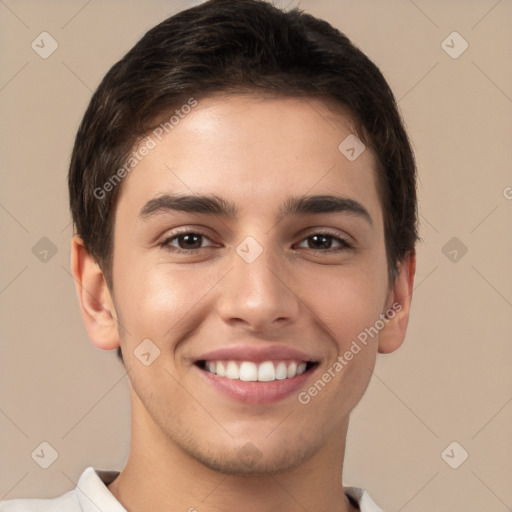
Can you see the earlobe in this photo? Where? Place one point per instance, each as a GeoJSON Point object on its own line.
{"type": "Point", "coordinates": [96, 303]}
{"type": "Point", "coordinates": [398, 308]}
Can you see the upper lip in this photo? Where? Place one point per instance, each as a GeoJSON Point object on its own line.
{"type": "Point", "coordinates": [257, 354]}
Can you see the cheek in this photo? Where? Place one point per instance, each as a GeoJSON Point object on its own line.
{"type": "Point", "coordinates": [159, 302]}
{"type": "Point", "coordinates": [346, 306]}
{"type": "Point", "coordinates": [345, 301]}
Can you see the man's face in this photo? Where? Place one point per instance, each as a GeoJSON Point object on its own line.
{"type": "Point", "coordinates": [251, 293]}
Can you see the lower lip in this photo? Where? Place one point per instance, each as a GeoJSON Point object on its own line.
{"type": "Point", "coordinates": [257, 392]}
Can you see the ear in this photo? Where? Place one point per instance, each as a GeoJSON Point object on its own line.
{"type": "Point", "coordinates": [398, 306]}
{"type": "Point", "coordinates": [94, 296]}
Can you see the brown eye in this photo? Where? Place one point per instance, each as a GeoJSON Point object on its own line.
{"type": "Point", "coordinates": [188, 241]}
{"type": "Point", "coordinates": [324, 242]}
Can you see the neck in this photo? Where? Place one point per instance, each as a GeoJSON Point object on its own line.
{"type": "Point", "coordinates": [160, 476]}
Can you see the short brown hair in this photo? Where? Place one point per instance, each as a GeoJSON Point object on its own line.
{"type": "Point", "coordinates": [237, 46]}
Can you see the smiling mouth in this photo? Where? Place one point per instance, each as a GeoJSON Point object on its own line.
{"type": "Point", "coordinates": [249, 371]}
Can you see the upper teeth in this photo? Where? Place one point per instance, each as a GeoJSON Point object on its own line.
{"type": "Point", "coordinates": [262, 372]}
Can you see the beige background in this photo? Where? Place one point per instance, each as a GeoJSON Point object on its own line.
{"type": "Point", "coordinates": [451, 381]}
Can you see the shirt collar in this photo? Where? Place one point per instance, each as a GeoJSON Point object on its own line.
{"type": "Point", "coordinates": [94, 495]}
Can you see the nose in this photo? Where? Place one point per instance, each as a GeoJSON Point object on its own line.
{"type": "Point", "coordinates": [259, 294]}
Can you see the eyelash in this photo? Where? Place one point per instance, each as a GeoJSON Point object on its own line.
{"type": "Point", "coordinates": [166, 244]}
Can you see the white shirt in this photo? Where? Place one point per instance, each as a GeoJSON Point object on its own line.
{"type": "Point", "coordinates": [92, 495]}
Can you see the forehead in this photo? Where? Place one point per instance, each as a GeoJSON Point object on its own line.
{"type": "Point", "coordinates": [254, 150]}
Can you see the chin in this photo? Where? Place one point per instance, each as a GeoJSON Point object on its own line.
{"type": "Point", "coordinates": [248, 460]}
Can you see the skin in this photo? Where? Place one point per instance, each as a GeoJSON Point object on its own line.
{"type": "Point", "coordinates": [186, 436]}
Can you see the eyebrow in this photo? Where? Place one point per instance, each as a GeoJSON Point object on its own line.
{"type": "Point", "coordinates": [212, 204]}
